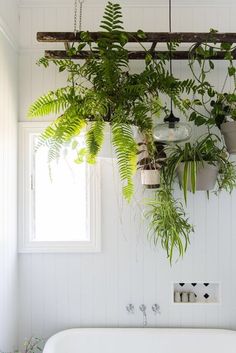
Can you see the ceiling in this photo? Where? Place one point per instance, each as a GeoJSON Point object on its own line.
{"type": "Point", "coordinates": [133, 3]}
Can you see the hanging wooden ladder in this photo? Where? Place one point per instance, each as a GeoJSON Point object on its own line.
{"type": "Point", "coordinates": [150, 37]}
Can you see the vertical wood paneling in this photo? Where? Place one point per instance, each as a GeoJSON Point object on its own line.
{"type": "Point", "coordinates": [93, 290]}
{"type": "Point", "coordinates": [8, 182]}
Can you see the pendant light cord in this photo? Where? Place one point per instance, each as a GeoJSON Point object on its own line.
{"type": "Point", "coordinates": [170, 48]}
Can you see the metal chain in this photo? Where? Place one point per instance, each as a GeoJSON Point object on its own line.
{"type": "Point", "coordinates": [76, 14]}
{"type": "Point", "coordinates": [80, 14]}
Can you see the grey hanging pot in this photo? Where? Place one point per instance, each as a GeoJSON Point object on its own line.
{"type": "Point", "coordinates": [206, 176]}
{"type": "Point", "coordinates": [228, 130]}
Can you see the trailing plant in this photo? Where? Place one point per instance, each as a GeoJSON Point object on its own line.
{"type": "Point", "coordinates": [193, 156]}
{"type": "Point", "coordinates": [212, 107]}
{"type": "Point", "coordinates": [168, 223]}
{"type": "Point", "coordinates": [224, 108]}
{"type": "Point", "coordinates": [33, 345]}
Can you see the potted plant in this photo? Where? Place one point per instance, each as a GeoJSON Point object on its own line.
{"type": "Point", "coordinates": [224, 114]}
{"type": "Point", "coordinates": [219, 108]}
{"type": "Point", "coordinates": [150, 164]}
{"type": "Point", "coordinates": [200, 165]}
{"type": "Point", "coordinates": [33, 345]}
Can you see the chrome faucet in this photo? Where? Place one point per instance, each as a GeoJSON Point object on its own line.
{"type": "Point", "coordinates": [143, 309]}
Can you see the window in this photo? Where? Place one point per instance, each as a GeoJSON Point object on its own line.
{"type": "Point", "coordinates": [59, 211]}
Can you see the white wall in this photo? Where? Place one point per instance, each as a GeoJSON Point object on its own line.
{"type": "Point", "coordinates": [60, 291]}
{"type": "Point", "coordinates": [8, 192]}
{"type": "Point", "coordinates": [9, 18]}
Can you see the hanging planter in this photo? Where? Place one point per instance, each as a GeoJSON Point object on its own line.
{"type": "Point", "coordinates": [150, 178]}
{"type": "Point", "coordinates": [206, 175]}
{"type": "Point", "coordinates": [151, 163]}
{"type": "Point", "coordinates": [107, 150]}
{"type": "Point", "coordinates": [200, 165]}
{"type": "Point", "coordinates": [224, 116]}
{"type": "Point", "coordinates": [228, 130]}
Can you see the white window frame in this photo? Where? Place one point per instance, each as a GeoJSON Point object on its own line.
{"type": "Point", "coordinates": [26, 244]}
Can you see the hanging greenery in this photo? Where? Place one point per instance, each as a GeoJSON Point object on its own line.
{"type": "Point", "coordinates": [103, 91]}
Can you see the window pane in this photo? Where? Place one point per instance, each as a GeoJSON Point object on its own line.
{"type": "Point", "coordinates": [60, 202]}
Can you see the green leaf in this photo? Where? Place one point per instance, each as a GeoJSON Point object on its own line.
{"type": "Point", "coordinates": [193, 176]}
{"type": "Point", "coordinates": [81, 156]}
{"type": "Point", "coordinates": [231, 70]}
{"type": "Point", "coordinates": [141, 34]}
{"type": "Point", "coordinates": [185, 180]}
{"type": "Point", "coordinates": [225, 46]}
{"type": "Point", "coordinates": [211, 64]}
{"type": "Point", "coordinates": [94, 140]}
{"type": "Point", "coordinates": [126, 151]}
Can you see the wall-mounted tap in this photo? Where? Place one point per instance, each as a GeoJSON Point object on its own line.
{"type": "Point", "coordinates": [156, 309]}
{"type": "Point", "coordinates": [143, 309]}
{"type": "Point", "coordinates": [130, 308]}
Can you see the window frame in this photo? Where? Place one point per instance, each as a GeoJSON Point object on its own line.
{"type": "Point", "coordinates": [26, 244]}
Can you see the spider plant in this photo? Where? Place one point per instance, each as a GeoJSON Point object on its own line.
{"type": "Point", "coordinates": [168, 223]}
{"type": "Point", "coordinates": [193, 157]}
{"type": "Point", "coordinates": [33, 345]}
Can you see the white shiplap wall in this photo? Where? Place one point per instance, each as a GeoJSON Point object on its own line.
{"type": "Point", "coordinates": [8, 192]}
{"type": "Point", "coordinates": [61, 291]}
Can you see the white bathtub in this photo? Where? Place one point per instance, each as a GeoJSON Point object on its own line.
{"type": "Point", "coordinates": [139, 340]}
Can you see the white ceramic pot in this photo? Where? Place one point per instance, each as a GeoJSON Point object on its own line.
{"type": "Point", "coordinates": [107, 150]}
{"type": "Point", "coordinates": [228, 130]}
{"type": "Point", "coordinates": [150, 178]}
{"type": "Point", "coordinates": [206, 176]}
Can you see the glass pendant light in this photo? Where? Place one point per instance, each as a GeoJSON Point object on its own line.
{"type": "Point", "coordinates": [171, 130]}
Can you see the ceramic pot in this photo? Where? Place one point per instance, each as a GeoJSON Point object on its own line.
{"type": "Point", "coordinates": [206, 176]}
{"type": "Point", "coordinates": [150, 178]}
{"type": "Point", "coordinates": [107, 150]}
{"type": "Point", "coordinates": [228, 130]}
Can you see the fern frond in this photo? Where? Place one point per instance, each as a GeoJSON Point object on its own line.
{"type": "Point", "coordinates": [126, 152]}
{"type": "Point", "coordinates": [60, 132]}
{"type": "Point", "coordinates": [50, 103]}
{"type": "Point", "coordinates": [94, 140]}
{"type": "Point", "coordinates": [112, 19]}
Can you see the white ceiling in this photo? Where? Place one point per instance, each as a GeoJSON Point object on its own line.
{"type": "Point", "coordinates": [133, 3]}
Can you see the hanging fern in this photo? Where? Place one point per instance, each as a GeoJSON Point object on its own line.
{"type": "Point", "coordinates": [126, 152]}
